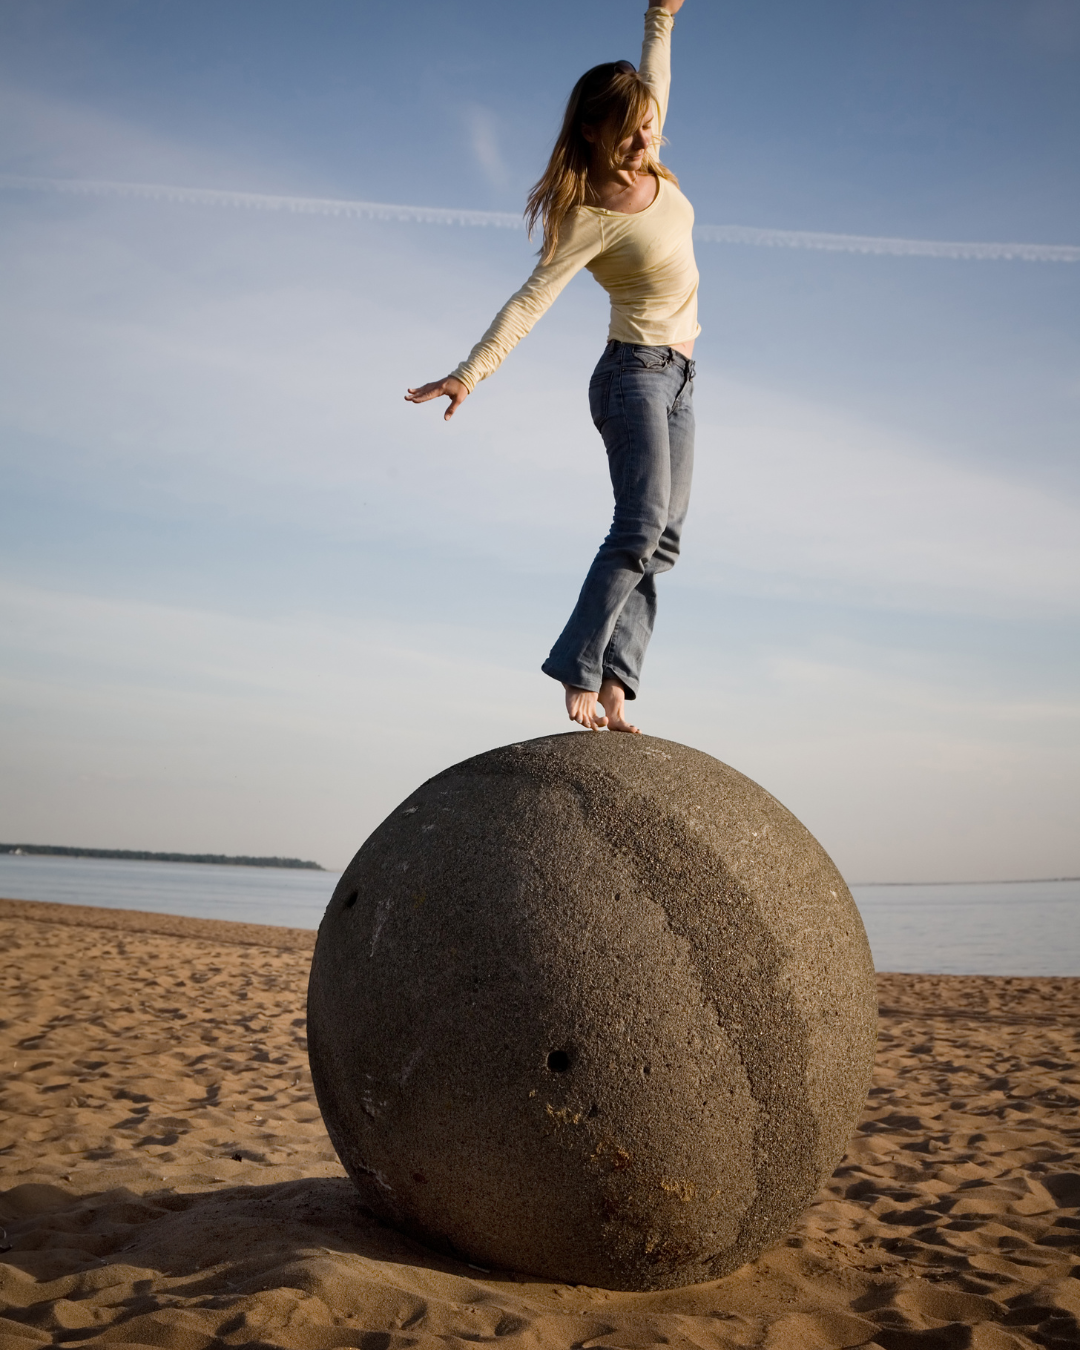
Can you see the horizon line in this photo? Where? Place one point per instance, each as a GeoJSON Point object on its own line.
{"type": "Point", "coordinates": [68, 850]}
{"type": "Point", "coordinates": [1000, 881]}
{"type": "Point", "coordinates": [439, 215]}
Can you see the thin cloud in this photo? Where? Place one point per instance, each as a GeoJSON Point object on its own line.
{"type": "Point", "coordinates": [439, 215]}
{"type": "Point", "coordinates": [484, 135]}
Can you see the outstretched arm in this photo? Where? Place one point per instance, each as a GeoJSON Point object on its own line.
{"type": "Point", "coordinates": [581, 242]}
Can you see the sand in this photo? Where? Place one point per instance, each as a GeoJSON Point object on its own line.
{"type": "Point", "coordinates": [167, 1180]}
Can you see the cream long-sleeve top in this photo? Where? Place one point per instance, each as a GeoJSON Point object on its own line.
{"type": "Point", "coordinates": [645, 261]}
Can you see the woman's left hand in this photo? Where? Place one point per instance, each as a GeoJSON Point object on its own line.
{"type": "Point", "coordinates": [672, 6]}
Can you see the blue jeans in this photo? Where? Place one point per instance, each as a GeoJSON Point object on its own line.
{"type": "Point", "coordinates": [641, 399]}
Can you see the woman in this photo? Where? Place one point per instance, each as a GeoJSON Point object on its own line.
{"type": "Point", "coordinates": [609, 205]}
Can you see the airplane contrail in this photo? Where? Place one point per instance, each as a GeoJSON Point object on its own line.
{"type": "Point", "coordinates": [900, 248]}
{"type": "Point", "coordinates": [507, 220]}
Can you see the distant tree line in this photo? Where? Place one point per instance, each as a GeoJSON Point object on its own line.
{"type": "Point", "coordinates": [138, 855]}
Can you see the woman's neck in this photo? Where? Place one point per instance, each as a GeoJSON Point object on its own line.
{"type": "Point", "coordinates": [625, 190]}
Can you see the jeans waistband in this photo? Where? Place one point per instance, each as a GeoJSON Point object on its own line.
{"type": "Point", "coordinates": [679, 359]}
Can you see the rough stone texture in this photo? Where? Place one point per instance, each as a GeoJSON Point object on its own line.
{"type": "Point", "coordinates": [594, 1007]}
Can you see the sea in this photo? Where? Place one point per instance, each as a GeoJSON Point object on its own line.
{"type": "Point", "coordinates": [957, 928]}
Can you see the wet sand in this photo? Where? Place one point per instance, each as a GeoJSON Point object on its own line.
{"type": "Point", "coordinates": [167, 1181]}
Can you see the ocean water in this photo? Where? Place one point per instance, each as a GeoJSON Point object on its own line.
{"type": "Point", "coordinates": [285, 896]}
{"type": "Point", "coordinates": [974, 928]}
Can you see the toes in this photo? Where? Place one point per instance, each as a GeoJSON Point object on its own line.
{"type": "Point", "coordinates": [586, 711]}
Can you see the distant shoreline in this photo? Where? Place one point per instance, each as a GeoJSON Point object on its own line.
{"type": "Point", "coordinates": [139, 855]}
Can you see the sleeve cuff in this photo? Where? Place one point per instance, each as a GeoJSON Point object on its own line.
{"type": "Point", "coordinates": [466, 380]}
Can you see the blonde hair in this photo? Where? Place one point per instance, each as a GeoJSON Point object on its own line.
{"type": "Point", "coordinates": [614, 98]}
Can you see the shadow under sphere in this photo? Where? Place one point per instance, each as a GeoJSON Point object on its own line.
{"type": "Point", "coordinates": [594, 1007]}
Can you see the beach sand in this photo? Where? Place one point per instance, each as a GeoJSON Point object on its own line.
{"type": "Point", "coordinates": [167, 1180]}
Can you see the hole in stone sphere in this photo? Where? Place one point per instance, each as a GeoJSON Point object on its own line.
{"type": "Point", "coordinates": [558, 1061]}
{"type": "Point", "coordinates": [350, 900]}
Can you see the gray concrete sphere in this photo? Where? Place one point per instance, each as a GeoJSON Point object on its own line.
{"type": "Point", "coordinates": [594, 1007]}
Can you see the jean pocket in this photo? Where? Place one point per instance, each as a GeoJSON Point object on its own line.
{"type": "Point", "coordinates": [599, 397]}
{"type": "Point", "coordinates": [651, 358]}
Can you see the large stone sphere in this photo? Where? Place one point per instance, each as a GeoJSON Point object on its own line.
{"type": "Point", "coordinates": [594, 1007]}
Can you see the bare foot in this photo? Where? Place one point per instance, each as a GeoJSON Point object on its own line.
{"type": "Point", "coordinates": [581, 707]}
{"type": "Point", "coordinates": [612, 696]}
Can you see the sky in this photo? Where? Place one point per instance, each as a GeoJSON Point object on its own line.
{"type": "Point", "coordinates": [250, 598]}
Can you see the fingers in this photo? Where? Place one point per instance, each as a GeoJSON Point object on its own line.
{"type": "Point", "coordinates": [456, 392]}
{"type": "Point", "coordinates": [450, 388]}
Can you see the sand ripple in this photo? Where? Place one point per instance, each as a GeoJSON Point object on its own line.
{"type": "Point", "coordinates": [169, 1182]}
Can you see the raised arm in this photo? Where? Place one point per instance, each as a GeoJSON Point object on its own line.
{"type": "Point", "coordinates": [655, 65]}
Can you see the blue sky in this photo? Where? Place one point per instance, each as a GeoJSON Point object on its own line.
{"type": "Point", "coordinates": [250, 598]}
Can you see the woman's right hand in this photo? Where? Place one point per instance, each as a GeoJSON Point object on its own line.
{"type": "Point", "coordinates": [451, 387]}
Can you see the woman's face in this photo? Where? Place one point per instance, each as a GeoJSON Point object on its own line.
{"type": "Point", "coordinates": [628, 154]}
